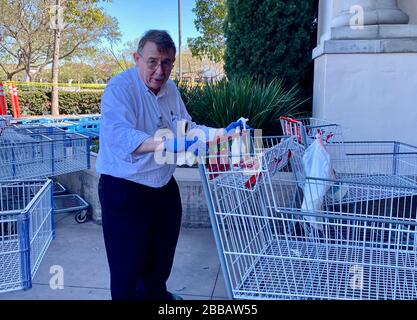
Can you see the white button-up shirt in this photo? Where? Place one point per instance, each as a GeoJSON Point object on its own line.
{"type": "Point", "coordinates": [130, 114]}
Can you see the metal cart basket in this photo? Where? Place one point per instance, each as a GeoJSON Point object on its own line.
{"type": "Point", "coordinates": [271, 248]}
{"type": "Point", "coordinates": [71, 203]}
{"type": "Point", "coordinates": [383, 163]}
{"type": "Point", "coordinates": [33, 152]}
{"type": "Point", "coordinates": [27, 153]}
{"type": "Point", "coordinates": [306, 129]}
{"type": "Point", "coordinates": [58, 188]}
{"type": "Point", "coordinates": [26, 230]}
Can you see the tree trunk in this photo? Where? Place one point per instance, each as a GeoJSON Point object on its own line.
{"type": "Point", "coordinates": [28, 77]}
{"type": "Point", "coordinates": [55, 63]}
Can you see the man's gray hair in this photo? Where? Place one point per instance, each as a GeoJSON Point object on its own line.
{"type": "Point", "coordinates": [161, 38]}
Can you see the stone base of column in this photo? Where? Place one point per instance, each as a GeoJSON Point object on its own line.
{"type": "Point", "coordinates": [373, 96]}
{"type": "Point", "coordinates": [394, 45]}
{"type": "Point", "coordinates": [384, 31]}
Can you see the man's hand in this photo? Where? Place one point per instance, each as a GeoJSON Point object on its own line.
{"type": "Point", "coordinates": [241, 123]}
{"type": "Point", "coordinates": [178, 145]}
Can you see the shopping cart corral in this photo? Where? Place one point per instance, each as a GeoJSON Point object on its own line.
{"type": "Point", "coordinates": [359, 243]}
{"type": "Point", "coordinates": [29, 156]}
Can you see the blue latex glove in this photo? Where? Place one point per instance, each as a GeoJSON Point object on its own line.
{"type": "Point", "coordinates": [176, 146]}
{"type": "Point", "coordinates": [239, 123]}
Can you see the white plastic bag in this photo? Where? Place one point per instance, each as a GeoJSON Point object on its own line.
{"type": "Point", "coordinates": [317, 164]}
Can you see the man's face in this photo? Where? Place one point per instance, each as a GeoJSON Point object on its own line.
{"type": "Point", "coordinates": [155, 67]}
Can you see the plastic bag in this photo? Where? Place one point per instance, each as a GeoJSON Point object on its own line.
{"type": "Point", "coordinates": [317, 164]}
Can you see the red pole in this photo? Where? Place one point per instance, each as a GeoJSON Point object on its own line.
{"type": "Point", "coordinates": [16, 101]}
{"type": "Point", "coordinates": [11, 94]}
{"type": "Point", "coordinates": [3, 104]}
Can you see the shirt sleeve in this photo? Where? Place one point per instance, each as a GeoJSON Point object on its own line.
{"type": "Point", "coordinates": [118, 121]}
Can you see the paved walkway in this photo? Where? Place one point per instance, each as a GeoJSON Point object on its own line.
{"type": "Point", "coordinates": [79, 250]}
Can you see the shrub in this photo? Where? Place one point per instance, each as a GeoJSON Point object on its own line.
{"type": "Point", "coordinates": [31, 103]}
{"type": "Point", "coordinates": [37, 103]}
{"type": "Point", "coordinates": [218, 104]}
{"type": "Point", "coordinates": [79, 102]}
{"type": "Point", "coordinates": [266, 39]}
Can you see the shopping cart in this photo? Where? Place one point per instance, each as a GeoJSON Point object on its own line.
{"type": "Point", "coordinates": [58, 188]}
{"type": "Point", "coordinates": [381, 163]}
{"type": "Point", "coordinates": [66, 203]}
{"type": "Point", "coordinates": [26, 230]}
{"type": "Point", "coordinates": [29, 152]}
{"type": "Point", "coordinates": [306, 129]}
{"type": "Point", "coordinates": [69, 203]}
{"type": "Point", "coordinates": [270, 248]}
{"type": "Point", "coordinates": [33, 152]}
{"type": "Point", "coordinates": [5, 121]}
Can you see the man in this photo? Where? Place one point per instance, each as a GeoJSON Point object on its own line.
{"type": "Point", "coordinates": [141, 205]}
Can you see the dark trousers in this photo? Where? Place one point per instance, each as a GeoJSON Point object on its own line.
{"type": "Point", "coordinates": [140, 227]}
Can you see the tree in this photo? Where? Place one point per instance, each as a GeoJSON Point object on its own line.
{"type": "Point", "coordinates": [102, 65]}
{"type": "Point", "coordinates": [123, 57]}
{"type": "Point", "coordinates": [26, 40]}
{"type": "Point", "coordinates": [210, 17]}
{"type": "Point", "coordinates": [22, 36]}
{"type": "Point", "coordinates": [194, 68]}
{"type": "Point", "coordinates": [79, 15]}
{"type": "Point", "coordinates": [270, 38]}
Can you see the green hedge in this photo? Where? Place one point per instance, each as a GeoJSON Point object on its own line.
{"type": "Point", "coordinates": [31, 103]}
{"type": "Point", "coordinates": [79, 102]}
{"type": "Point", "coordinates": [262, 102]}
{"type": "Point", "coordinates": [268, 39]}
{"type": "Point", "coordinates": [36, 103]}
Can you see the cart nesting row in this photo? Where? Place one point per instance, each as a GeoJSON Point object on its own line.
{"type": "Point", "coordinates": [86, 125]}
{"type": "Point", "coordinates": [26, 230]}
{"type": "Point", "coordinates": [29, 155]}
{"type": "Point", "coordinates": [32, 152]}
{"type": "Point", "coordinates": [360, 243]}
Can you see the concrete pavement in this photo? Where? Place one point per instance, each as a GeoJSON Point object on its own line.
{"type": "Point", "coordinates": [79, 250]}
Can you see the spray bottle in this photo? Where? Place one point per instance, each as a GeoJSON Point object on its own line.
{"type": "Point", "coordinates": [238, 148]}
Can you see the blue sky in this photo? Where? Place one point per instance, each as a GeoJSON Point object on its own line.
{"type": "Point", "coordinates": [137, 16]}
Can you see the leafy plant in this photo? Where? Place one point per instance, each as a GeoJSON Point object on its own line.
{"type": "Point", "coordinates": [269, 38]}
{"type": "Point", "coordinates": [210, 17]}
{"type": "Point", "coordinates": [31, 103]}
{"type": "Point", "coordinates": [218, 104]}
{"type": "Point", "coordinates": [37, 103]}
{"type": "Point", "coordinates": [266, 39]}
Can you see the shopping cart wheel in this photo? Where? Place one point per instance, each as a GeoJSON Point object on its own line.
{"type": "Point", "coordinates": [81, 216]}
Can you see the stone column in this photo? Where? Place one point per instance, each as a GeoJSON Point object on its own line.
{"type": "Point", "coordinates": [325, 21]}
{"type": "Point", "coordinates": [374, 12]}
{"type": "Point", "coordinates": [389, 13]}
{"type": "Point", "coordinates": [364, 77]}
{"type": "Point", "coordinates": [370, 19]}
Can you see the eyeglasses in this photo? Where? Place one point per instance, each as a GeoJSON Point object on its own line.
{"type": "Point", "coordinates": [153, 64]}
